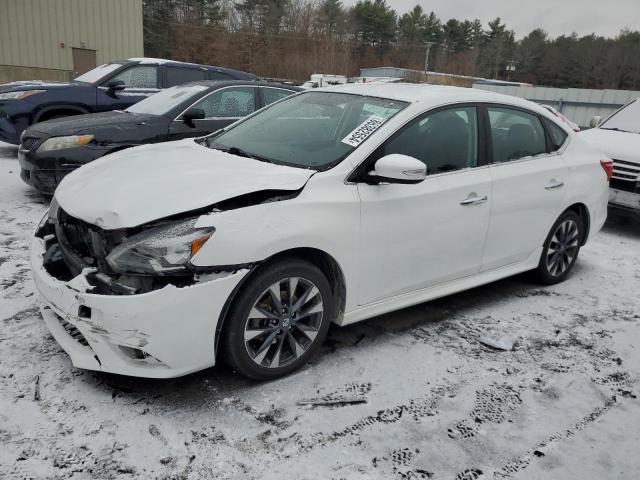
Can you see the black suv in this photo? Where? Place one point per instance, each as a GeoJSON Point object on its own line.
{"type": "Point", "coordinates": [112, 86]}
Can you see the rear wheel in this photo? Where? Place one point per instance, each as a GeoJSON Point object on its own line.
{"type": "Point", "coordinates": [279, 320]}
{"type": "Point", "coordinates": [53, 117]}
{"type": "Point", "coordinates": [561, 248]}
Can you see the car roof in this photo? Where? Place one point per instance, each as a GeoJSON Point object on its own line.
{"type": "Point", "coordinates": [228, 83]}
{"type": "Point", "coordinates": [430, 94]}
{"type": "Point", "coordinates": [164, 61]}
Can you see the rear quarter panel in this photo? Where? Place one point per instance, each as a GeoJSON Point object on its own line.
{"type": "Point", "coordinates": [587, 181]}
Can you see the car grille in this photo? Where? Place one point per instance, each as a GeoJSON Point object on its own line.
{"type": "Point", "coordinates": [625, 185]}
{"type": "Point", "coordinates": [29, 142]}
{"type": "Point", "coordinates": [626, 176]}
{"type": "Point", "coordinates": [74, 332]}
{"type": "Point", "coordinates": [624, 170]}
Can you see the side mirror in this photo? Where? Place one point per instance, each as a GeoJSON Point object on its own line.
{"type": "Point", "coordinates": [192, 114]}
{"type": "Point", "coordinates": [595, 121]}
{"type": "Point", "coordinates": [397, 168]}
{"type": "Point", "coordinates": [114, 86]}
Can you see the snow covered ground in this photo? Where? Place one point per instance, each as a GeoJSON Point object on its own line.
{"type": "Point", "coordinates": [561, 405]}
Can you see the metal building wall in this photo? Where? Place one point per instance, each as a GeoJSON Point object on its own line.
{"type": "Point", "coordinates": [577, 104]}
{"type": "Point", "coordinates": [36, 36]}
{"type": "Point", "coordinates": [392, 72]}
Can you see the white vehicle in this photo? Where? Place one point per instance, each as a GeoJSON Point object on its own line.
{"type": "Point", "coordinates": [321, 80]}
{"type": "Point", "coordinates": [619, 138]}
{"type": "Point", "coordinates": [335, 205]}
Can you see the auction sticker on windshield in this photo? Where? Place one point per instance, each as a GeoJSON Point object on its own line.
{"type": "Point", "coordinates": [362, 131]}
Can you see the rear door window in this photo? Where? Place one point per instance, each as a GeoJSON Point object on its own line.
{"type": "Point", "coordinates": [179, 75]}
{"type": "Point", "coordinates": [515, 134]}
{"type": "Point", "coordinates": [139, 76]}
{"type": "Point", "coordinates": [232, 102]}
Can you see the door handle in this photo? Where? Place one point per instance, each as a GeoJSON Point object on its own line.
{"type": "Point", "coordinates": [474, 199]}
{"type": "Point", "coordinates": [554, 184]}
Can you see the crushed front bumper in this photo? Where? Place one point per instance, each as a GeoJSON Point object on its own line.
{"type": "Point", "coordinates": [160, 334]}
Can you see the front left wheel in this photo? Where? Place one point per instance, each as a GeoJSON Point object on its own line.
{"type": "Point", "coordinates": [278, 320]}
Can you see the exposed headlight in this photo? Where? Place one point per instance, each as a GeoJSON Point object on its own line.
{"type": "Point", "coordinates": [19, 95]}
{"type": "Point", "coordinates": [60, 143]}
{"type": "Point", "coordinates": [160, 251]}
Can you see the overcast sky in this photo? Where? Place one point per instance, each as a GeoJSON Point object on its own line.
{"type": "Point", "coordinates": [557, 17]}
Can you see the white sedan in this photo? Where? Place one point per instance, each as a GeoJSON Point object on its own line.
{"type": "Point", "coordinates": [335, 205]}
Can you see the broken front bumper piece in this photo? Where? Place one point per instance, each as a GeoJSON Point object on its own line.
{"type": "Point", "coordinates": [160, 334]}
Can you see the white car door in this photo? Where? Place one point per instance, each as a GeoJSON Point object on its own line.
{"type": "Point", "coordinates": [528, 186]}
{"type": "Point", "coordinates": [419, 235]}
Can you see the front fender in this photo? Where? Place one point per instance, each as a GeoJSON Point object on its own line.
{"type": "Point", "coordinates": [253, 234]}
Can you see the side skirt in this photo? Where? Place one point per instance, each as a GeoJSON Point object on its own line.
{"type": "Point", "coordinates": [442, 290]}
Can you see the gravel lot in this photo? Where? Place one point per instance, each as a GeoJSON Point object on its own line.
{"type": "Point", "coordinates": [438, 405]}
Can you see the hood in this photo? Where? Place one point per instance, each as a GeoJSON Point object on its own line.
{"type": "Point", "coordinates": [31, 85]}
{"type": "Point", "coordinates": [108, 125]}
{"type": "Point", "coordinates": [147, 183]}
{"type": "Point", "coordinates": [616, 145]}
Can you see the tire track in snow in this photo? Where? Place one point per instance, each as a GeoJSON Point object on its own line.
{"type": "Point", "coordinates": [551, 442]}
{"type": "Point", "coordinates": [416, 408]}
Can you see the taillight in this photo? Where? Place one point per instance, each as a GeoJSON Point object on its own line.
{"type": "Point", "coordinates": [608, 168]}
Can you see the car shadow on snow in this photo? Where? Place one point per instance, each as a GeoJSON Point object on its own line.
{"type": "Point", "coordinates": [623, 223]}
{"type": "Point", "coordinates": [9, 154]}
{"type": "Point", "coordinates": [35, 197]}
{"type": "Point", "coordinates": [220, 382]}
{"type": "Point", "coordinates": [8, 151]}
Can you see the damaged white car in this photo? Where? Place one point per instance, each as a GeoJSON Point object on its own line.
{"type": "Point", "coordinates": [330, 206]}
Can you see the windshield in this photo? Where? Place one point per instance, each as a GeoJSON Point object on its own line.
{"type": "Point", "coordinates": [311, 130]}
{"type": "Point", "coordinates": [626, 119]}
{"type": "Point", "coordinates": [98, 73]}
{"type": "Point", "coordinates": [164, 101]}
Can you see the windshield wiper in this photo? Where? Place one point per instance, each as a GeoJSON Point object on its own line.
{"type": "Point", "coordinates": [615, 129]}
{"type": "Point", "coordinates": [241, 153]}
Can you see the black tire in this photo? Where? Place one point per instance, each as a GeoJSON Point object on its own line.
{"type": "Point", "coordinates": [54, 117]}
{"type": "Point", "coordinates": [561, 248]}
{"type": "Point", "coordinates": [290, 334]}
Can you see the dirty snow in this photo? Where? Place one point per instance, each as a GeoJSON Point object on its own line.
{"type": "Point", "coordinates": [439, 404]}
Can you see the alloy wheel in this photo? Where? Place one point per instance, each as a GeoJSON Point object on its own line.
{"type": "Point", "coordinates": [563, 247]}
{"type": "Point", "coordinates": [283, 322]}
